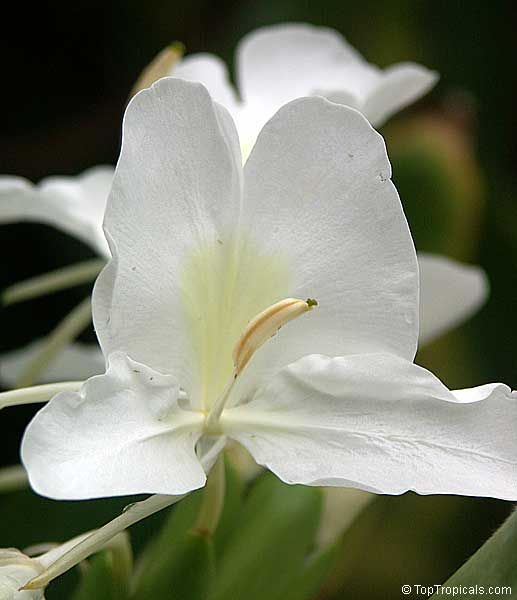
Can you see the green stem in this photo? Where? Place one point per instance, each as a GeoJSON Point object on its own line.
{"type": "Point", "coordinates": [69, 328]}
{"type": "Point", "coordinates": [98, 539]}
{"type": "Point", "coordinates": [13, 479]}
{"type": "Point", "coordinates": [53, 281]}
{"type": "Point", "coordinates": [213, 500]}
{"type": "Point", "coordinates": [122, 553]}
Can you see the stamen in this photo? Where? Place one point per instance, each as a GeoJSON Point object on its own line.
{"type": "Point", "coordinates": [265, 325]}
{"type": "Point", "coordinates": [259, 330]}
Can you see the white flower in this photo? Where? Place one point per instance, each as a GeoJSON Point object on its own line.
{"type": "Point", "coordinates": [280, 63]}
{"type": "Point", "coordinates": [17, 569]}
{"type": "Point", "coordinates": [275, 65]}
{"type": "Point", "coordinates": [200, 247]}
{"type": "Point", "coordinates": [74, 205]}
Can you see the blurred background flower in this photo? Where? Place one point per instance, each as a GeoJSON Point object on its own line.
{"type": "Point", "coordinates": [67, 72]}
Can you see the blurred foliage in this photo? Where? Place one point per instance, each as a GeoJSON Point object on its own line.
{"type": "Point", "coordinates": [67, 72]}
{"type": "Point", "coordinates": [495, 564]}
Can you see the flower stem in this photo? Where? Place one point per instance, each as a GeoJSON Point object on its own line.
{"type": "Point", "coordinates": [13, 478]}
{"type": "Point", "coordinates": [69, 328]}
{"type": "Point", "coordinates": [213, 500]}
{"type": "Point", "coordinates": [53, 281]}
{"type": "Point", "coordinates": [37, 393]}
{"type": "Point", "coordinates": [97, 540]}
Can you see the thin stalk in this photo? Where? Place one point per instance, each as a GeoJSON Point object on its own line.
{"type": "Point", "coordinates": [122, 564]}
{"type": "Point", "coordinates": [69, 328]}
{"type": "Point", "coordinates": [37, 393]}
{"type": "Point", "coordinates": [13, 479]}
{"type": "Point", "coordinates": [53, 281]}
{"type": "Point", "coordinates": [98, 540]}
{"type": "Point", "coordinates": [213, 500]}
{"type": "Point", "coordinates": [132, 514]}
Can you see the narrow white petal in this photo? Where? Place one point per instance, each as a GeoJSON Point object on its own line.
{"type": "Point", "coordinates": [450, 292]}
{"type": "Point", "coordinates": [383, 424]}
{"type": "Point", "coordinates": [122, 433]}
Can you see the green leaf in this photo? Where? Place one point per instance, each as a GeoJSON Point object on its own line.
{"type": "Point", "coordinates": [493, 565]}
{"type": "Point", "coordinates": [98, 581]}
{"type": "Point", "coordinates": [308, 583]}
{"type": "Point", "coordinates": [185, 571]}
{"type": "Point", "coordinates": [180, 562]}
{"type": "Point", "coordinates": [270, 546]}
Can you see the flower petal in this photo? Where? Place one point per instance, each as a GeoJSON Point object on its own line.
{"type": "Point", "coordinates": [177, 190]}
{"type": "Point", "coordinates": [122, 433]}
{"type": "Point", "coordinates": [212, 72]}
{"type": "Point", "coordinates": [450, 292]}
{"type": "Point", "coordinates": [75, 362]}
{"type": "Point", "coordinates": [380, 423]}
{"type": "Point", "coordinates": [72, 204]}
{"type": "Point", "coordinates": [318, 193]}
{"type": "Point", "coordinates": [280, 63]}
{"type": "Point", "coordinates": [13, 576]}
{"type": "Point", "coordinates": [397, 87]}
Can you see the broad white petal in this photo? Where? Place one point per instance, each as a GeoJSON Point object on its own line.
{"type": "Point", "coordinates": [122, 433]}
{"type": "Point", "coordinates": [383, 424]}
{"type": "Point", "coordinates": [73, 204]}
{"type": "Point", "coordinates": [74, 363]}
{"type": "Point", "coordinates": [174, 205]}
{"type": "Point", "coordinates": [212, 72]}
{"type": "Point", "coordinates": [397, 87]}
{"type": "Point", "coordinates": [280, 63]}
{"type": "Point", "coordinates": [319, 198]}
{"type": "Point", "coordinates": [450, 292]}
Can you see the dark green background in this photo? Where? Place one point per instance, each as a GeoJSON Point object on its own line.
{"type": "Point", "coordinates": [66, 71]}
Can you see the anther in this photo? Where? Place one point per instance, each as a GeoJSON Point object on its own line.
{"type": "Point", "coordinates": [265, 325]}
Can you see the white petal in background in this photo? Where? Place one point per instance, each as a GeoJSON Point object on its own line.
{"type": "Point", "coordinates": [122, 433]}
{"type": "Point", "coordinates": [212, 72]}
{"type": "Point", "coordinates": [381, 424]}
{"type": "Point", "coordinates": [280, 63]}
{"type": "Point", "coordinates": [450, 292]}
{"type": "Point", "coordinates": [73, 204]}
